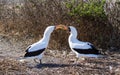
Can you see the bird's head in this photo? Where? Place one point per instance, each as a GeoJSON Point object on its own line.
{"type": "Point", "coordinates": [61, 26]}
{"type": "Point", "coordinates": [72, 30]}
{"type": "Point", "coordinates": [69, 29]}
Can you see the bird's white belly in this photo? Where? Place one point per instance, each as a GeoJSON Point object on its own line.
{"type": "Point", "coordinates": [40, 56]}
{"type": "Point", "coordinates": [87, 55]}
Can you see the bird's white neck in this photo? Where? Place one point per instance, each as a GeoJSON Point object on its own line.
{"type": "Point", "coordinates": [47, 34]}
{"type": "Point", "coordinates": [73, 34]}
{"type": "Point", "coordinates": [46, 37]}
{"type": "Point", "coordinates": [72, 37]}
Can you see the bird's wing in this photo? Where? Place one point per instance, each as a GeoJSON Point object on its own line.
{"type": "Point", "coordinates": [81, 45]}
{"type": "Point", "coordinates": [85, 48]}
{"type": "Point", "coordinates": [90, 44]}
{"type": "Point", "coordinates": [36, 46]}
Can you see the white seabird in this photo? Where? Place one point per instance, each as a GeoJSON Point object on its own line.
{"type": "Point", "coordinates": [80, 48]}
{"type": "Point", "coordinates": [37, 49]}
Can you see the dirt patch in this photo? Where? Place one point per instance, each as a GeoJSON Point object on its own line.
{"type": "Point", "coordinates": [9, 66]}
{"type": "Point", "coordinates": [55, 62]}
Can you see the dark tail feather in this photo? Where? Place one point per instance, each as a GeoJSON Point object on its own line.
{"type": "Point", "coordinates": [101, 54]}
{"type": "Point", "coordinates": [97, 51]}
{"type": "Point", "coordinates": [27, 54]}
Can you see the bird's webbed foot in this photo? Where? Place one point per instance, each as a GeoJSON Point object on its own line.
{"type": "Point", "coordinates": [40, 62]}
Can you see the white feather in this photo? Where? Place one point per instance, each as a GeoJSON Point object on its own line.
{"type": "Point", "coordinates": [80, 45]}
{"type": "Point", "coordinates": [37, 46]}
{"type": "Point", "coordinates": [43, 43]}
{"type": "Point", "coordinates": [74, 43]}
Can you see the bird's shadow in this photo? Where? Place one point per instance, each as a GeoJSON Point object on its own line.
{"type": "Point", "coordinates": [54, 65]}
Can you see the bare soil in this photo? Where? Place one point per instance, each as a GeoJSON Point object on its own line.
{"type": "Point", "coordinates": [55, 62]}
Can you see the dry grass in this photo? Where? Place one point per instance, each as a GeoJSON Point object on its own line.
{"type": "Point", "coordinates": [36, 15]}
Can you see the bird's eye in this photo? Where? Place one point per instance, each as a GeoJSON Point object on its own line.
{"type": "Point", "coordinates": [69, 29]}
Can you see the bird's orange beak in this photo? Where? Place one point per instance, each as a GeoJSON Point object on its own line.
{"type": "Point", "coordinates": [61, 26]}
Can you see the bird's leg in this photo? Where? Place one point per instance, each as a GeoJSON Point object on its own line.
{"type": "Point", "coordinates": [40, 61]}
{"type": "Point", "coordinates": [35, 60]}
{"type": "Point", "coordinates": [75, 62]}
{"type": "Point", "coordinates": [82, 59]}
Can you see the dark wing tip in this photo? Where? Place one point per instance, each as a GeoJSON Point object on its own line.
{"type": "Point", "coordinates": [34, 53]}
{"type": "Point", "coordinates": [28, 48]}
{"type": "Point", "coordinates": [27, 55]}
{"type": "Point", "coordinates": [98, 51]}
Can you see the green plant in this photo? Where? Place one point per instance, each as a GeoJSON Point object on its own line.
{"type": "Point", "coordinates": [92, 8]}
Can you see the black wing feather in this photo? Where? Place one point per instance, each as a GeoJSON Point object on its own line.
{"type": "Point", "coordinates": [34, 53]}
{"type": "Point", "coordinates": [87, 51]}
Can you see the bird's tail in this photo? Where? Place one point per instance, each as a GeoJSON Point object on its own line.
{"type": "Point", "coordinates": [102, 56]}
{"type": "Point", "coordinates": [22, 59]}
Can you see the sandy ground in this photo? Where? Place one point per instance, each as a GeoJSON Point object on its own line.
{"type": "Point", "coordinates": [55, 62]}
